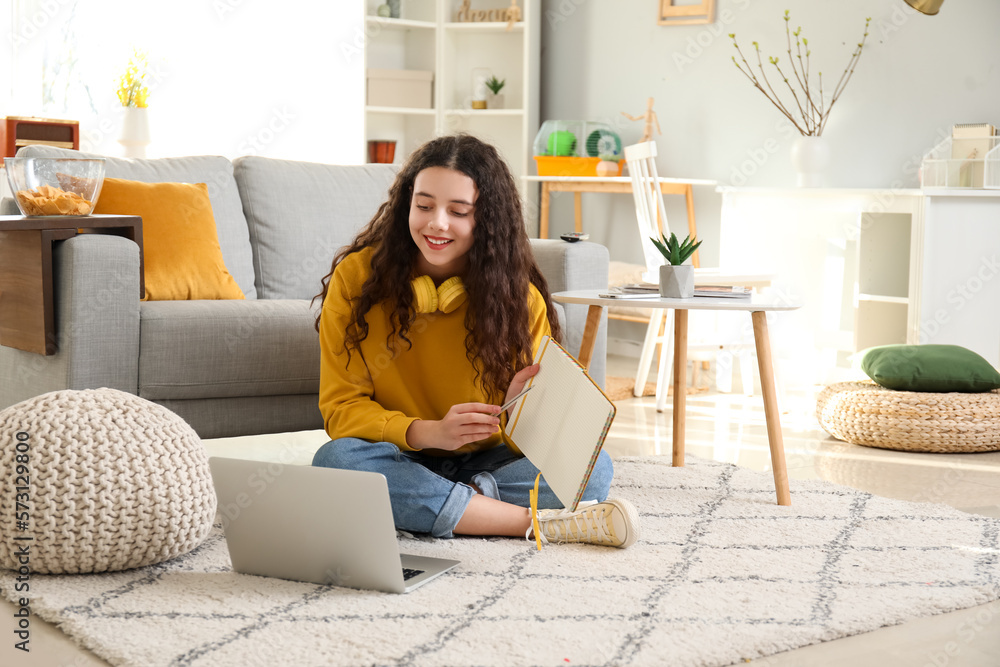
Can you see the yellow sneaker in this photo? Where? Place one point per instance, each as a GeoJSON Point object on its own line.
{"type": "Point", "coordinates": [612, 523]}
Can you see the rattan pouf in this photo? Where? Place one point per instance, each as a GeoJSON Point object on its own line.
{"type": "Point", "coordinates": [99, 480]}
{"type": "Point", "coordinates": [864, 413]}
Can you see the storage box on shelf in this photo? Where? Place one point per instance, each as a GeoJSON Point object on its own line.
{"type": "Point", "coordinates": [958, 163]}
{"type": "Point", "coordinates": [400, 88]}
{"type": "Point", "coordinates": [991, 171]}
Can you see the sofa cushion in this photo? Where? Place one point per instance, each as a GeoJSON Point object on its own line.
{"type": "Point", "coordinates": [182, 258]}
{"type": "Point", "coordinates": [221, 349]}
{"type": "Point", "coordinates": [214, 171]}
{"type": "Point", "coordinates": [323, 206]}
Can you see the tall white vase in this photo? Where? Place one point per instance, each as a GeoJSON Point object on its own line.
{"type": "Point", "coordinates": [810, 157]}
{"type": "Point", "coordinates": [135, 132]}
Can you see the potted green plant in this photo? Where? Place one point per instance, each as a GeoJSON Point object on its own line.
{"type": "Point", "coordinates": [495, 99]}
{"type": "Point", "coordinates": [676, 277]}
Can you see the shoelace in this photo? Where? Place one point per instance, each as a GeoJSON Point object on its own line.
{"type": "Point", "coordinates": [587, 525]}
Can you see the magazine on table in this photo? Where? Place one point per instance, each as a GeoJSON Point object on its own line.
{"type": "Point", "coordinates": [722, 291]}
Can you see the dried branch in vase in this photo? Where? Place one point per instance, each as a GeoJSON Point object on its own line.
{"type": "Point", "coordinates": [810, 108]}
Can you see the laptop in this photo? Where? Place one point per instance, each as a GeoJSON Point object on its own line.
{"type": "Point", "coordinates": [319, 525]}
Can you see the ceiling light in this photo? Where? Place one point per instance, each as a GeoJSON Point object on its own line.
{"type": "Point", "coordinates": [929, 7]}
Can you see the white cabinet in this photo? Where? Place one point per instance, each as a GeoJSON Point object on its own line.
{"type": "Point", "coordinates": [851, 257]}
{"type": "Point", "coordinates": [960, 275]}
{"type": "Point", "coordinates": [428, 37]}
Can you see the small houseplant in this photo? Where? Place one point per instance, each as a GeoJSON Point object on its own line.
{"type": "Point", "coordinates": [495, 99]}
{"type": "Point", "coordinates": [676, 277]}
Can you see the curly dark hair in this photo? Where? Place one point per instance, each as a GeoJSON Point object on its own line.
{"type": "Point", "coordinates": [500, 253]}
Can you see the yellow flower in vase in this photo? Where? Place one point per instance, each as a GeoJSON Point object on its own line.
{"type": "Point", "coordinates": [132, 90]}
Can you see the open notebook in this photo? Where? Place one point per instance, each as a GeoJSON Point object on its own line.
{"type": "Point", "coordinates": [560, 425]}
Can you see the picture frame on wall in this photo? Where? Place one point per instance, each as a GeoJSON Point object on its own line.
{"type": "Point", "coordinates": [672, 13]}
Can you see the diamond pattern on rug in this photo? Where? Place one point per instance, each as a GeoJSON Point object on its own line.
{"type": "Point", "coordinates": [720, 574]}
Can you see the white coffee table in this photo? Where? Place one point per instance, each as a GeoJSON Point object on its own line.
{"type": "Point", "coordinates": [758, 306]}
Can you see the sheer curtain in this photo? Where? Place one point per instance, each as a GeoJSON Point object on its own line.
{"type": "Point", "coordinates": [227, 77]}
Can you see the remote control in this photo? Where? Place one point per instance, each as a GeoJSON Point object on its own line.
{"type": "Point", "coordinates": [573, 237]}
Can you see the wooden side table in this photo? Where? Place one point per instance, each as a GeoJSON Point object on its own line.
{"type": "Point", "coordinates": [27, 309]}
{"type": "Point", "coordinates": [758, 306]}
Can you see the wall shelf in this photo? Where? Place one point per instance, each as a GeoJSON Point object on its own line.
{"type": "Point", "coordinates": [428, 38]}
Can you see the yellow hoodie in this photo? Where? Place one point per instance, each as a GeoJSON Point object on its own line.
{"type": "Point", "coordinates": [376, 396]}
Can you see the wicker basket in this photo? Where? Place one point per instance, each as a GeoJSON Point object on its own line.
{"type": "Point", "coordinates": [864, 413]}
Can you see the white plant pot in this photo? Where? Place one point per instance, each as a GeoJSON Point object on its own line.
{"type": "Point", "coordinates": [135, 132]}
{"type": "Point", "coordinates": [810, 157]}
{"type": "Point", "coordinates": [494, 101]}
{"type": "Point", "coordinates": [677, 282]}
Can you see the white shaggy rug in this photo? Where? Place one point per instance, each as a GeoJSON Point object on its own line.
{"type": "Point", "coordinates": [721, 574]}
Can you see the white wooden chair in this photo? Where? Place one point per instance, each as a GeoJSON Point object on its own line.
{"type": "Point", "coordinates": [712, 336]}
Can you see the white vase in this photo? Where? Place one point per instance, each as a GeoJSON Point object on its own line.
{"type": "Point", "coordinates": [677, 282]}
{"type": "Point", "coordinates": [810, 158]}
{"type": "Point", "coordinates": [135, 132]}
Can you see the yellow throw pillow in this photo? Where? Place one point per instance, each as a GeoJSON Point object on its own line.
{"type": "Point", "coordinates": [182, 256]}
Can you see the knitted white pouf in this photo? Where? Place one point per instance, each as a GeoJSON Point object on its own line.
{"type": "Point", "coordinates": [99, 480]}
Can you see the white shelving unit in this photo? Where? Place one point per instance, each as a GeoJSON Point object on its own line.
{"type": "Point", "coordinates": [427, 37]}
{"type": "Point", "coordinates": [852, 257]}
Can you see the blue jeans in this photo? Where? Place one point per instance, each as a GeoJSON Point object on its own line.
{"type": "Point", "coordinates": [429, 494]}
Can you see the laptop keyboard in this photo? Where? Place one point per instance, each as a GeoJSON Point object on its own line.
{"type": "Point", "coordinates": [409, 573]}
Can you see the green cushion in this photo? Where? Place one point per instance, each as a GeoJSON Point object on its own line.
{"type": "Point", "coordinates": [938, 368]}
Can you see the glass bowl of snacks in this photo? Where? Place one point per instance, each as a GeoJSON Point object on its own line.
{"type": "Point", "coordinates": [55, 186]}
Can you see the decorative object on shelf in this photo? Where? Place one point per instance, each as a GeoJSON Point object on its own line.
{"type": "Point", "coordinates": [480, 75]}
{"type": "Point", "coordinates": [513, 14]}
{"type": "Point", "coordinates": [494, 98]}
{"type": "Point", "coordinates": [810, 159]}
{"type": "Point", "coordinates": [18, 131]}
{"type": "Point", "coordinates": [384, 11]}
{"type": "Point", "coordinates": [381, 151]}
{"type": "Point", "coordinates": [393, 8]}
{"type": "Point", "coordinates": [810, 109]}
{"type": "Point", "coordinates": [650, 118]}
{"type": "Point", "coordinates": [133, 93]}
{"type": "Point", "coordinates": [672, 14]}
{"type": "Point", "coordinates": [929, 7]}
{"type": "Point", "coordinates": [676, 277]}
{"type": "Point", "coordinates": [466, 14]}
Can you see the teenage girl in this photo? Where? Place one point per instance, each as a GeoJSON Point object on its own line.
{"type": "Point", "coordinates": [430, 321]}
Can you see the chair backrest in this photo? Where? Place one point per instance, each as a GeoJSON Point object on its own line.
{"type": "Point", "coordinates": [641, 159]}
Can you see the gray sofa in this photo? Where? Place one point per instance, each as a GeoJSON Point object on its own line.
{"type": "Point", "coordinates": [234, 367]}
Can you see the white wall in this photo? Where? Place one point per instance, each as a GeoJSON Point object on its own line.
{"type": "Point", "coordinates": [231, 77]}
{"type": "Point", "coordinates": [918, 75]}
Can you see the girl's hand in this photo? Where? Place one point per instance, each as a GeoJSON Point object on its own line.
{"type": "Point", "coordinates": [520, 380]}
{"type": "Point", "coordinates": [464, 423]}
